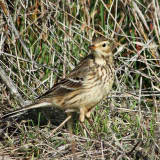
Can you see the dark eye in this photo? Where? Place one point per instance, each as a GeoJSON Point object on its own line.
{"type": "Point", "coordinates": [104, 45]}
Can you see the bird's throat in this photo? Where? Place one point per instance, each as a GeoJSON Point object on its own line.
{"type": "Point", "coordinates": [103, 60]}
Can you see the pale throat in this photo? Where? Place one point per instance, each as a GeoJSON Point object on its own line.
{"type": "Point", "coordinates": [104, 59]}
{"type": "Point", "coordinates": [100, 61]}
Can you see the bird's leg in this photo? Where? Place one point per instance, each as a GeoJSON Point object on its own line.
{"type": "Point", "coordinates": [83, 111]}
{"type": "Point", "coordinates": [88, 114]}
{"type": "Point", "coordinates": [85, 128]}
{"type": "Point", "coordinates": [88, 117]}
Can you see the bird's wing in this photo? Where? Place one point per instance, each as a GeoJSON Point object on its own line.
{"type": "Point", "coordinates": [73, 81]}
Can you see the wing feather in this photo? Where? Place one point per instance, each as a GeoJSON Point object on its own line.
{"type": "Point", "coordinates": [73, 81]}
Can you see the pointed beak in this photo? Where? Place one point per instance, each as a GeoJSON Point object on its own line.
{"type": "Point", "coordinates": [92, 47]}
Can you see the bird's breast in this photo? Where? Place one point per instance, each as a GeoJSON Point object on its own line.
{"type": "Point", "coordinates": [95, 87]}
{"type": "Point", "coordinates": [99, 81]}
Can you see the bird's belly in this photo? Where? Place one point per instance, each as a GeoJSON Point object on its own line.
{"type": "Point", "coordinates": [96, 93]}
{"type": "Point", "coordinates": [87, 98]}
{"type": "Point", "coordinates": [94, 96]}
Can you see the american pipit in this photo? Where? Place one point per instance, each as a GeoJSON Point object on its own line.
{"type": "Point", "coordinates": [84, 87]}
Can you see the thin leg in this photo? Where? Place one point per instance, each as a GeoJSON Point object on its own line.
{"type": "Point", "coordinates": [83, 111]}
{"type": "Point", "coordinates": [88, 113]}
{"type": "Point", "coordinates": [82, 116]}
{"type": "Point", "coordinates": [85, 128]}
{"type": "Point", "coordinates": [88, 117]}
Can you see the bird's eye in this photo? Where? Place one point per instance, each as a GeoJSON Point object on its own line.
{"type": "Point", "coordinates": [104, 45]}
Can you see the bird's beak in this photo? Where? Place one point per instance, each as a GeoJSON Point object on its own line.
{"type": "Point", "coordinates": [92, 47]}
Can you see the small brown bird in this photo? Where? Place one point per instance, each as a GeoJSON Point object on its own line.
{"type": "Point", "coordinates": [84, 87]}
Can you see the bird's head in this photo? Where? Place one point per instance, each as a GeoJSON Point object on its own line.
{"type": "Point", "coordinates": [102, 47]}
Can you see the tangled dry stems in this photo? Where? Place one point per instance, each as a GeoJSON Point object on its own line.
{"type": "Point", "coordinates": [41, 41]}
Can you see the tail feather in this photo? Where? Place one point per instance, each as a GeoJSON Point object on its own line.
{"type": "Point", "coordinates": [25, 109]}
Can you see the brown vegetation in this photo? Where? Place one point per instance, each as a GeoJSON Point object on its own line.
{"type": "Point", "coordinates": [41, 41]}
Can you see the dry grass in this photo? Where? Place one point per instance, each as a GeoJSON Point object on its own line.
{"type": "Point", "coordinates": [41, 41]}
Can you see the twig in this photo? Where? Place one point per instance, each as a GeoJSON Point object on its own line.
{"type": "Point", "coordinates": [8, 82]}
{"type": "Point", "coordinates": [11, 24]}
{"type": "Point", "coordinates": [130, 152]}
{"type": "Point", "coordinates": [61, 125]}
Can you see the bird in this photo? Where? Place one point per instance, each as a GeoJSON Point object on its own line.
{"type": "Point", "coordinates": [84, 87]}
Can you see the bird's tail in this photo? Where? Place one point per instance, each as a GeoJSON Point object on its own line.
{"type": "Point", "coordinates": [25, 109]}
